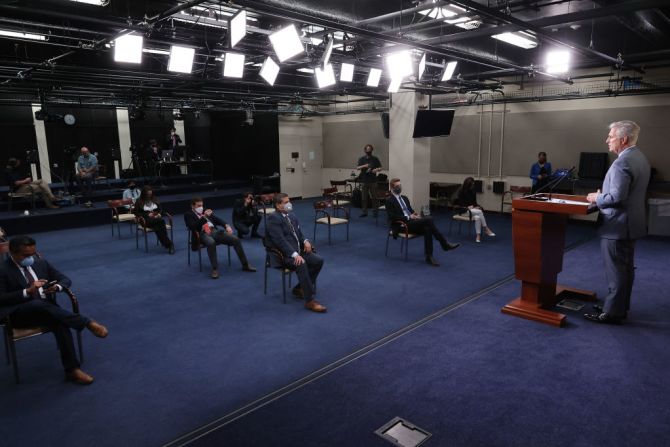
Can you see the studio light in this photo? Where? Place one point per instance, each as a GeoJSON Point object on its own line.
{"type": "Point", "coordinates": [449, 71]}
{"type": "Point", "coordinates": [325, 58]}
{"type": "Point", "coordinates": [374, 77]}
{"type": "Point", "coordinates": [325, 77]}
{"type": "Point", "coordinates": [399, 64]}
{"type": "Point", "coordinates": [155, 51]}
{"type": "Point", "coordinates": [347, 72]}
{"type": "Point", "coordinates": [93, 2]}
{"type": "Point", "coordinates": [233, 65]}
{"type": "Point", "coordinates": [394, 86]}
{"type": "Point", "coordinates": [128, 48]}
{"type": "Point", "coordinates": [286, 43]}
{"type": "Point", "coordinates": [518, 38]}
{"type": "Point", "coordinates": [557, 62]}
{"type": "Point", "coordinates": [269, 70]}
{"type": "Point", "coordinates": [181, 59]}
{"type": "Point", "coordinates": [237, 27]}
{"type": "Point", "coordinates": [9, 33]}
{"type": "Point", "coordinates": [422, 66]}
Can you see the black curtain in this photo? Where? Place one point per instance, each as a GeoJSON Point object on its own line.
{"type": "Point", "coordinates": [18, 134]}
{"type": "Point", "coordinates": [240, 151]}
{"type": "Point", "coordinates": [153, 125]}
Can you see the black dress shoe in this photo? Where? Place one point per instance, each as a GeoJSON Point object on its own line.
{"type": "Point", "coordinates": [431, 261]}
{"type": "Point", "coordinates": [598, 308]}
{"type": "Point", "coordinates": [450, 246]}
{"type": "Point", "coordinates": [603, 318]}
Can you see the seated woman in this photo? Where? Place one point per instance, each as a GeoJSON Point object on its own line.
{"type": "Point", "coordinates": [148, 208]}
{"type": "Point", "coordinates": [466, 198]}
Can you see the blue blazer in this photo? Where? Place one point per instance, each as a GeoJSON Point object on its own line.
{"type": "Point", "coordinates": [535, 170]}
{"type": "Point", "coordinates": [622, 202]}
{"type": "Point", "coordinates": [12, 283]}
{"type": "Point", "coordinates": [278, 234]}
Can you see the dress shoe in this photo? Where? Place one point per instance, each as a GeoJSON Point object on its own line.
{"type": "Point", "coordinates": [214, 274]}
{"type": "Point", "coordinates": [603, 318]}
{"type": "Point", "coordinates": [79, 377]}
{"type": "Point", "coordinates": [491, 234]}
{"type": "Point", "coordinates": [297, 292]}
{"type": "Point", "coordinates": [314, 306]}
{"type": "Point", "coordinates": [248, 268]}
{"type": "Point", "coordinates": [97, 329]}
{"type": "Point", "coordinates": [431, 261]}
{"type": "Point", "coordinates": [598, 308]}
{"type": "Point", "coordinates": [450, 246]}
{"type": "Point", "coordinates": [171, 249]}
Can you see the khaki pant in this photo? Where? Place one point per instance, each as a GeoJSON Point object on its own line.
{"type": "Point", "coordinates": [39, 187]}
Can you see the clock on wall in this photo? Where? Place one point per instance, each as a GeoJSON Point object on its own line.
{"type": "Point", "coordinates": [69, 119]}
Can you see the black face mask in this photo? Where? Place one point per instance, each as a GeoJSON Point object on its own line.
{"type": "Point", "coordinates": [397, 189]}
{"type": "Point", "coordinates": [368, 153]}
{"type": "Point", "coordinates": [131, 186]}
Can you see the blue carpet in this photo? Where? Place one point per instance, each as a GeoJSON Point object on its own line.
{"type": "Point", "coordinates": [184, 350]}
{"type": "Point", "coordinates": [477, 377]}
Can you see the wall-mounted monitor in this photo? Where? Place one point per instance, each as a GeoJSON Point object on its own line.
{"type": "Point", "coordinates": [433, 123]}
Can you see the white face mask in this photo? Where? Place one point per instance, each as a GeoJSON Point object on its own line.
{"type": "Point", "coordinates": [288, 207]}
{"type": "Point", "coordinates": [199, 210]}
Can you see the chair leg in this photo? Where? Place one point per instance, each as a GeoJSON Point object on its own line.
{"type": "Point", "coordinates": [265, 278]}
{"type": "Point", "coordinates": [137, 239]}
{"type": "Point", "coordinates": [80, 346]}
{"type": "Point", "coordinates": [12, 354]}
{"type": "Point", "coordinates": [406, 249]}
{"type": "Point", "coordinates": [200, 259]}
{"type": "Point", "coordinates": [6, 340]}
{"type": "Point", "coordinates": [314, 235]}
{"type": "Point", "coordinates": [146, 242]}
{"type": "Point", "coordinates": [229, 262]}
{"type": "Point", "coordinates": [329, 241]}
{"type": "Point", "coordinates": [386, 253]}
{"type": "Point", "coordinates": [347, 230]}
{"type": "Point", "coordinates": [188, 251]}
{"type": "Point", "coordinates": [283, 284]}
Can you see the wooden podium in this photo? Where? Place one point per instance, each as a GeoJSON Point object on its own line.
{"type": "Point", "coordinates": [538, 233]}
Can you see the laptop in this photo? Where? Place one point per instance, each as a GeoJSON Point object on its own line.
{"type": "Point", "coordinates": [167, 155]}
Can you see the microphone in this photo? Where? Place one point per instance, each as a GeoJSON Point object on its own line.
{"type": "Point", "coordinates": [551, 185]}
{"type": "Point", "coordinates": [558, 180]}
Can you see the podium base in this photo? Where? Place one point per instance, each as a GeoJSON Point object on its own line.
{"type": "Point", "coordinates": [533, 310]}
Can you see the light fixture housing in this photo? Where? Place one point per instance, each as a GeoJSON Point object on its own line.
{"type": "Point", "coordinates": [181, 59]}
{"type": "Point", "coordinates": [422, 66]}
{"type": "Point", "coordinates": [128, 49]}
{"type": "Point", "coordinates": [269, 70]}
{"type": "Point", "coordinates": [325, 58]}
{"type": "Point", "coordinates": [346, 72]}
{"type": "Point", "coordinates": [518, 38]}
{"type": "Point", "coordinates": [233, 65]}
{"type": "Point", "coordinates": [374, 77]}
{"type": "Point", "coordinates": [286, 43]}
{"type": "Point", "coordinates": [93, 2]}
{"type": "Point", "coordinates": [21, 35]}
{"type": "Point", "coordinates": [557, 62]}
{"type": "Point", "coordinates": [326, 77]}
{"type": "Point", "coordinates": [449, 70]}
{"type": "Point", "coordinates": [394, 86]}
{"type": "Point", "coordinates": [399, 64]}
{"type": "Point", "coordinates": [237, 27]}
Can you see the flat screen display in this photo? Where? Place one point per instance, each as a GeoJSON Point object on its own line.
{"type": "Point", "coordinates": [433, 123]}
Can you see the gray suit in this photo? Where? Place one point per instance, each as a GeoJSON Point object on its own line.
{"type": "Point", "coordinates": [623, 220]}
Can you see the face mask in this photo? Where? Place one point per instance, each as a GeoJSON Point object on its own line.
{"type": "Point", "coordinates": [288, 207]}
{"type": "Point", "coordinates": [131, 186]}
{"type": "Point", "coordinates": [27, 262]}
{"type": "Point", "coordinates": [368, 152]}
{"type": "Point", "coordinates": [397, 189]}
{"type": "Point", "coordinates": [199, 210]}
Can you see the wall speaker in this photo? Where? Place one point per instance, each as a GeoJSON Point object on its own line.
{"type": "Point", "coordinates": [385, 123]}
{"type": "Point", "coordinates": [115, 153]}
{"type": "Point", "coordinates": [498, 187]}
{"type": "Point", "coordinates": [479, 186]}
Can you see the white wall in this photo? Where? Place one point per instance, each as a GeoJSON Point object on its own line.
{"type": "Point", "coordinates": [304, 136]}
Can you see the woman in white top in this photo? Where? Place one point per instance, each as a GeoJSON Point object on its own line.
{"type": "Point", "coordinates": [148, 208]}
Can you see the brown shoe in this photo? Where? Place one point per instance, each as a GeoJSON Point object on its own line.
{"type": "Point", "coordinates": [314, 306]}
{"type": "Point", "coordinates": [97, 329]}
{"type": "Point", "coordinates": [79, 377]}
{"type": "Point", "coordinates": [248, 268]}
{"type": "Point", "coordinates": [214, 274]}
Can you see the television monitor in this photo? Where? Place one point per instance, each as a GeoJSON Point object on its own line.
{"type": "Point", "coordinates": [433, 123]}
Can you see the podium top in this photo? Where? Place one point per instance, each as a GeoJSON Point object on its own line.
{"type": "Point", "coordinates": [554, 203]}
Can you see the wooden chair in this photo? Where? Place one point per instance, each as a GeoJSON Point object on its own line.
{"type": "Point", "coordinates": [462, 215]}
{"type": "Point", "coordinates": [322, 216]}
{"type": "Point", "coordinates": [343, 192]}
{"type": "Point", "coordinates": [272, 254]}
{"type": "Point", "coordinates": [13, 335]}
{"type": "Point", "coordinates": [197, 246]}
{"type": "Point", "coordinates": [510, 195]}
{"type": "Point", "coordinates": [142, 227]}
{"type": "Point", "coordinates": [404, 235]}
{"type": "Point", "coordinates": [121, 214]}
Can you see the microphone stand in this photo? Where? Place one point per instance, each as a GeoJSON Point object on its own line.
{"type": "Point", "coordinates": [551, 185]}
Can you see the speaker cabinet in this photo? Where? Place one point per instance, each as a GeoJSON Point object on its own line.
{"type": "Point", "coordinates": [479, 186]}
{"type": "Point", "coordinates": [498, 187]}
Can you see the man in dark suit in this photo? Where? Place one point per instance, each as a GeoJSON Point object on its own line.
{"type": "Point", "coordinates": [399, 209]}
{"type": "Point", "coordinates": [28, 285]}
{"type": "Point", "coordinates": [284, 235]}
{"type": "Point", "coordinates": [245, 216]}
{"type": "Point", "coordinates": [172, 141]}
{"type": "Point", "coordinates": [213, 231]}
{"type": "Point", "coordinates": [623, 218]}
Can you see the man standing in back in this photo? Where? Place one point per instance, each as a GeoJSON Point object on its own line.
{"type": "Point", "coordinates": [623, 218]}
{"type": "Point", "coordinates": [369, 165]}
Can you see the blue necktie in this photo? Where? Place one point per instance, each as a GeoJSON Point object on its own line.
{"type": "Point", "coordinates": [405, 210]}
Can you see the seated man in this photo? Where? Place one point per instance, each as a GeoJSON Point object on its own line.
{"type": "Point", "coordinates": [25, 300]}
{"type": "Point", "coordinates": [87, 170]}
{"type": "Point", "coordinates": [283, 234]}
{"type": "Point", "coordinates": [132, 193]}
{"type": "Point", "coordinates": [245, 215]}
{"type": "Point", "coordinates": [204, 223]}
{"type": "Point", "coordinates": [399, 209]}
{"type": "Point", "coordinates": [20, 183]}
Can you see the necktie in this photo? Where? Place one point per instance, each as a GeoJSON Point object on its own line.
{"type": "Point", "coordinates": [206, 228]}
{"type": "Point", "coordinates": [405, 210]}
{"type": "Point", "coordinates": [31, 279]}
{"type": "Point", "coordinates": [295, 235]}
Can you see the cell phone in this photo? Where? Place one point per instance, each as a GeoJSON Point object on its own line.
{"type": "Point", "coordinates": [49, 284]}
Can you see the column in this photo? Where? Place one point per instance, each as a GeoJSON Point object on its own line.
{"type": "Point", "coordinates": [123, 123]}
{"type": "Point", "coordinates": [42, 150]}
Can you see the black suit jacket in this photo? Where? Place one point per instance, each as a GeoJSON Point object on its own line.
{"type": "Point", "coordinates": [195, 223]}
{"type": "Point", "coordinates": [278, 234]}
{"type": "Point", "coordinates": [12, 283]}
{"type": "Point", "coordinates": [394, 210]}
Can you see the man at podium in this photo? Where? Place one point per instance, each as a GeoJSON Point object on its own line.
{"type": "Point", "coordinates": [623, 219]}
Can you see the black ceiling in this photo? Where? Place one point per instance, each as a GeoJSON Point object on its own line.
{"type": "Point", "coordinates": [75, 63]}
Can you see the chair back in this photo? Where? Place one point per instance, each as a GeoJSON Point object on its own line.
{"type": "Point", "coordinates": [329, 192]}
{"type": "Point", "coordinates": [338, 183]}
{"type": "Point", "coordinates": [322, 205]}
{"type": "Point", "coordinates": [119, 203]}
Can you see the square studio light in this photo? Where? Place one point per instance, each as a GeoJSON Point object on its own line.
{"type": "Point", "coordinates": [269, 70]}
{"type": "Point", "coordinates": [394, 86]}
{"type": "Point", "coordinates": [181, 59]}
{"type": "Point", "coordinates": [422, 66]}
{"type": "Point", "coordinates": [347, 72]}
{"type": "Point", "coordinates": [325, 77]}
{"type": "Point", "coordinates": [128, 48]}
{"type": "Point", "coordinates": [325, 58]}
{"type": "Point", "coordinates": [286, 43]}
{"type": "Point", "coordinates": [518, 38]}
{"type": "Point", "coordinates": [374, 77]}
{"type": "Point", "coordinates": [233, 65]}
{"type": "Point", "coordinates": [557, 62]}
{"type": "Point", "coordinates": [20, 35]}
{"type": "Point", "coordinates": [449, 71]}
{"type": "Point", "coordinates": [399, 64]}
{"type": "Point", "coordinates": [238, 27]}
